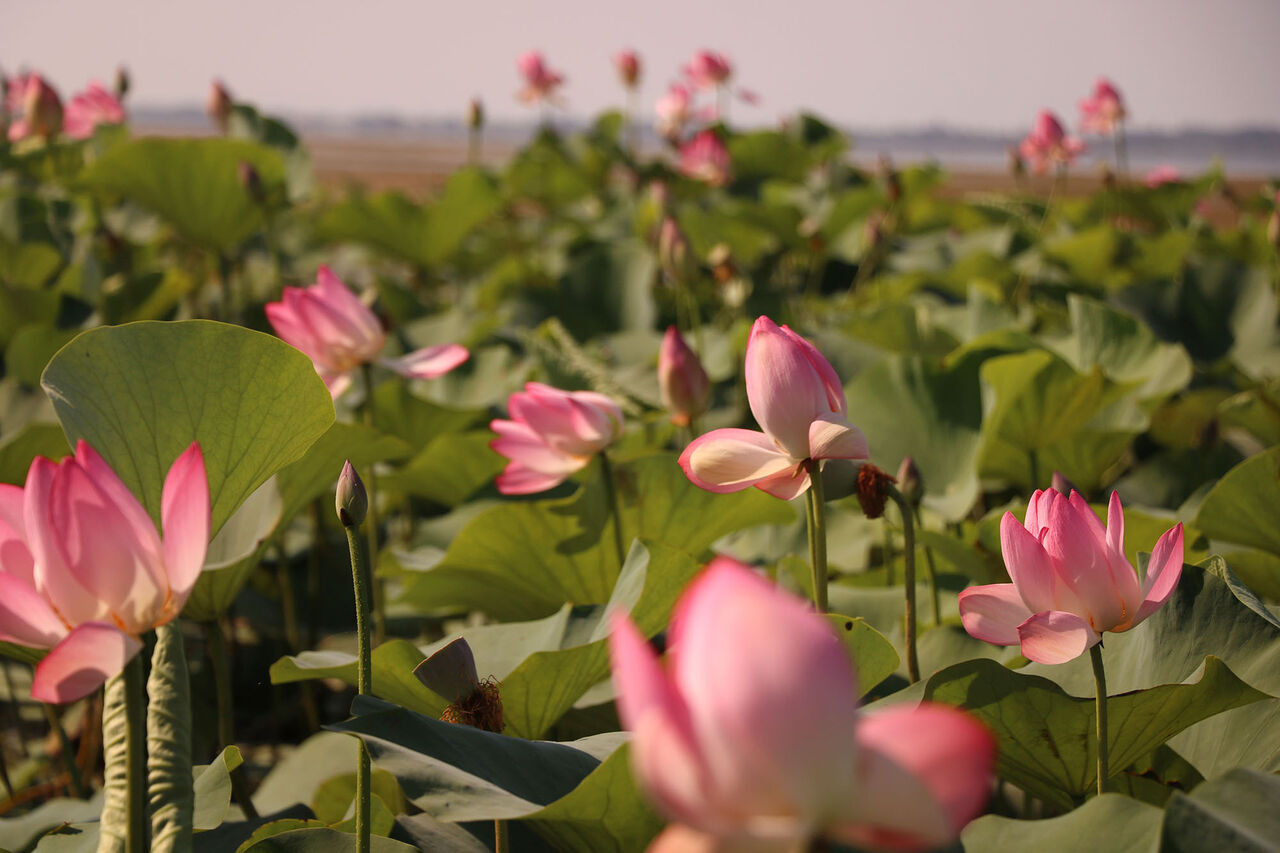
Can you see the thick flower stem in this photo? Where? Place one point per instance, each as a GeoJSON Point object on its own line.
{"type": "Point", "coordinates": [136, 840]}
{"type": "Point", "coordinates": [75, 781]}
{"type": "Point", "coordinates": [364, 672]}
{"type": "Point", "coordinates": [377, 593]}
{"type": "Point", "coordinates": [816, 506]}
{"type": "Point", "coordinates": [1100, 687]}
{"type": "Point", "coordinates": [216, 646]}
{"type": "Point", "coordinates": [501, 843]}
{"type": "Point", "coordinates": [908, 578]}
{"type": "Point", "coordinates": [611, 493]}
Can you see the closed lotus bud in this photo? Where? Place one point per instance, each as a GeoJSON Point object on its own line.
{"type": "Point", "coordinates": [251, 181]}
{"type": "Point", "coordinates": [122, 82]}
{"type": "Point", "coordinates": [219, 105]}
{"type": "Point", "coordinates": [628, 68]}
{"type": "Point", "coordinates": [910, 482]}
{"type": "Point", "coordinates": [1061, 484]}
{"type": "Point", "coordinates": [682, 381]}
{"type": "Point", "coordinates": [673, 250]}
{"type": "Point", "coordinates": [352, 501]}
{"type": "Point", "coordinates": [873, 490]}
{"type": "Point", "coordinates": [43, 108]}
{"type": "Point", "coordinates": [475, 114]}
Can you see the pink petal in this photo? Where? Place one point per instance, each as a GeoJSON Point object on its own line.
{"type": "Point", "coordinates": [105, 478]}
{"type": "Point", "coordinates": [771, 708]}
{"type": "Point", "coordinates": [786, 485]}
{"type": "Point", "coordinates": [186, 518]}
{"type": "Point", "coordinates": [82, 662]}
{"type": "Point", "coordinates": [1090, 518]}
{"type": "Point", "coordinates": [681, 838]}
{"type": "Point", "coordinates": [429, 362]}
{"type": "Point", "coordinates": [337, 383]}
{"type": "Point", "coordinates": [290, 326]}
{"type": "Point", "coordinates": [1164, 569]}
{"type": "Point", "coordinates": [1107, 594]}
{"type": "Point", "coordinates": [784, 389]}
{"type": "Point", "coordinates": [1055, 636]}
{"type": "Point", "coordinates": [1029, 566]}
{"type": "Point", "coordinates": [534, 466]}
{"type": "Point", "coordinates": [832, 437]}
{"type": "Point", "coordinates": [1115, 524]}
{"type": "Point", "coordinates": [992, 613]}
{"type": "Point", "coordinates": [730, 460]}
{"type": "Point", "coordinates": [25, 617]}
{"type": "Point", "coordinates": [826, 373]}
{"type": "Point", "coordinates": [15, 555]}
{"type": "Point", "coordinates": [53, 577]}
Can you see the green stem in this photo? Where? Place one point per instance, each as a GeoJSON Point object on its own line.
{"type": "Point", "coordinates": [216, 646]}
{"type": "Point", "coordinates": [371, 519]}
{"type": "Point", "coordinates": [611, 493]}
{"type": "Point", "coordinates": [364, 674]}
{"type": "Point", "coordinates": [932, 570]}
{"type": "Point", "coordinates": [136, 840]}
{"type": "Point", "coordinates": [908, 579]}
{"type": "Point", "coordinates": [171, 797]}
{"type": "Point", "coordinates": [817, 519]}
{"type": "Point", "coordinates": [1100, 688]}
{"type": "Point", "coordinates": [501, 841]}
{"type": "Point", "coordinates": [64, 750]}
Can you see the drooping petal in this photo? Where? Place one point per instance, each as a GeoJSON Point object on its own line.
{"type": "Point", "coordinates": [832, 437]}
{"type": "Point", "coordinates": [428, 362]}
{"type": "Point", "coordinates": [82, 662]}
{"type": "Point", "coordinates": [992, 613]}
{"type": "Point", "coordinates": [1164, 569]}
{"type": "Point", "coordinates": [770, 708]}
{"type": "Point", "coordinates": [784, 390]}
{"type": "Point", "coordinates": [1029, 566]}
{"type": "Point", "coordinates": [925, 772]}
{"type": "Point", "coordinates": [730, 460]}
{"type": "Point", "coordinates": [184, 512]}
{"type": "Point", "coordinates": [1055, 636]}
{"type": "Point", "coordinates": [26, 617]}
{"type": "Point", "coordinates": [53, 577]}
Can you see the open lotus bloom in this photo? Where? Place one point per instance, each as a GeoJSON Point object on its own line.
{"type": "Point", "coordinates": [1048, 144]}
{"type": "Point", "coordinates": [1102, 110]}
{"type": "Point", "coordinates": [90, 108]}
{"type": "Point", "coordinates": [797, 399]}
{"type": "Point", "coordinates": [551, 434]}
{"type": "Point", "coordinates": [673, 111]}
{"type": "Point", "coordinates": [33, 106]}
{"type": "Point", "coordinates": [83, 570]}
{"type": "Point", "coordinates": [540, 82]}
{"type": "Point", "coordinates": [750, 737]}
{"type": "Point", "coordinates": [339, 333]}
{"type": "Point", "coordinates": [705, 158]}
{"type": "Point", "coordinates": [1071, 580]}
{"type": "Point", "coordinates": [708, 69]}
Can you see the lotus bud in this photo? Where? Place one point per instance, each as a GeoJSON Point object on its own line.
{"type": "Point", "coordinates": [682, 381]}
{"type": "Point", "coordinates": [252, 182]}
{"type": "Point", "coordinates": [43, 108]}
{"type": "Point", "coordinates": [122, 82]}
{"type": "Point", "coordinates": [873, 490]}
{"type": "Point", "coordinates": [910, 483]}
{"type": "Point", "coordinates": [1061, 484]}
{"type": "Point", "coordinates": [219, 105]}
{"type": "Point", "coordinates": [673, 250]}
{"type": "Point", "coordinates": [475, 114]}
{"type": "Point", "coordinates": [352, 501]}
{"type": "Point", "coordinates": [628, 63]}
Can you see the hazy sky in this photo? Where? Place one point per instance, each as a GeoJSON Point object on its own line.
{"type": "Point", "coordinates": [983, 64]}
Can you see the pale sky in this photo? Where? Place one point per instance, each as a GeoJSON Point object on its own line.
{"type": "Point", "coordinates": [977, 64]}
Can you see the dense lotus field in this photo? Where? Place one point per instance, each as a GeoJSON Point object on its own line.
{"type": "Point", "coordinates": [728, 498]}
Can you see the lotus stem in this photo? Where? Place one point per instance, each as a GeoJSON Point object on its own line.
{"type": "Point", "coordinates": [611, 493]}
{"type": "Point", "coordinates": [1100, 689]}
{"type": "Point", "coordinates": [501, 842]}
{"type": "Point", "coordinates": [931, 570]}
{"type": "Point", "coordinates": [376, 591]}
{"type": "Point", "coordinates": [76, 781]}
{"type": "Point", "coordinates": [364, 665]}
{"type": "Point", "coordinates": [216, 646]}
{"type": "Point", "coordinates": [136, 840]}
{"type": "Point", "coordinates": [816, 506]}
{"type": "Point", "coordinates": [908, 578]}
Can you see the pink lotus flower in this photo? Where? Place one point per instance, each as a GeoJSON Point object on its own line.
{"type": "Point", "coordinates": [339, 333]}
{"type": "Point", "coordinates": [682, 382]}
{"type": "Point", "coordinates": [84, 570]}
{"type": "Point", "coordinates": [628, 63]}
{"type": "Point", "coordinates": [540, 82]}
{"type": "Point", "coordinates": [708, 69]}
{"type": "Point", "coordinates": [751, 734]}
{"type": "Point", "coordinates": [551, 434]}
{"type": "Point", "coordinates": [219, 104]}
{"type": "Point", "coordinates": [1161, 175]}
{"type": "Point", "coordinates": [38, 104]}
{"type": "Point", "coordinates": [1071, 580]}
{"type": "Point", "coordinates": [705, 158]}
{"type": "Point", "coordinates": [90, 108]}
{"type": "Point", "coordinates": [673, 111]}
{"type": "Point", "coordinates": [1103, 110]}
{"type": "Point", "coordinates": [797, 399]}
{"type": "Point", "coordinates": [1048, 144]}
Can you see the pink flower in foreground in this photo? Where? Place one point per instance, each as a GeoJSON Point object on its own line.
{"type": "Point", "coordinates": [1048, 144]}
{"type": "Point", "coordinates": [83, 571]}
{"type": "Point", "coordinates": [798, 401]}
{"type": "Point", "coordinates": [673, 111]}
{"type": "Point", "coordinates": [551, 434]}
{"type": "Point", "coordinates": [1161, 175]}
{"type": "Point", "coordinates": [90, 108]}
{"type": "Point", "coordinates": [682, 381]}
{"type": "Point", "coordinates": [708, 69]}
{"type": "Point", "coordinates": [1102, 110]}
{"type": "Point", "coordinates": [628, 63]}
{"type": "Point", "coordinates": [339, 333]}
{"type": "Point", "coordinates": [705, 158]}
{"type": "Point", "coordinates": [540, 82]}
{"type": "Point", "coordinates": [750, 735]}
{"type": "Point", "coordinates": [1071, 580]}
{"type": "Point", "coordinates": [38, 105]}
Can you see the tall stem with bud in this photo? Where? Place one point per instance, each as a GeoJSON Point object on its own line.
{"type": "Point", "coordinates": [353, 504]}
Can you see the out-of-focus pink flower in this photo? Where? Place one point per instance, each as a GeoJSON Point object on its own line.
{"type": "Point", "coordinates": [708, 69]}
{"type": "Point", "coordinates": [38, 105]}
{"type": "Point", "coordinates": [682, 381]}
{"type": "Point", "coordinates": [339, 333]}
{"type": "Point", "coordinates": [628, 63]}
{"type": "Point", "coordinates": [1071, 580]}
{"type": "Point", "coordinates": [1048, 144]}
{"type": "Point", "coordinates": [798, 401]}
{"type": "Point", "coordinates": [540, 82]}
{"type": "Point", "coordinates": [750, 735]}
{"type": "Point", "coordinates": [218, 106]}
{"type": "Point", "coordinates": [1102, 110]}
{"type": "Point", "coordinates": [673, 111]}
{"type": "Point", "coordinates": [90, 108]}
{"type": "Point", "coordinates": [705, 158]}
{"type": "Point", "coordinates": [551, 434]}
{"type": "Point", "coordinates": [83, 571]}
{"type": "Point", "coordinates": [1161, 175]}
